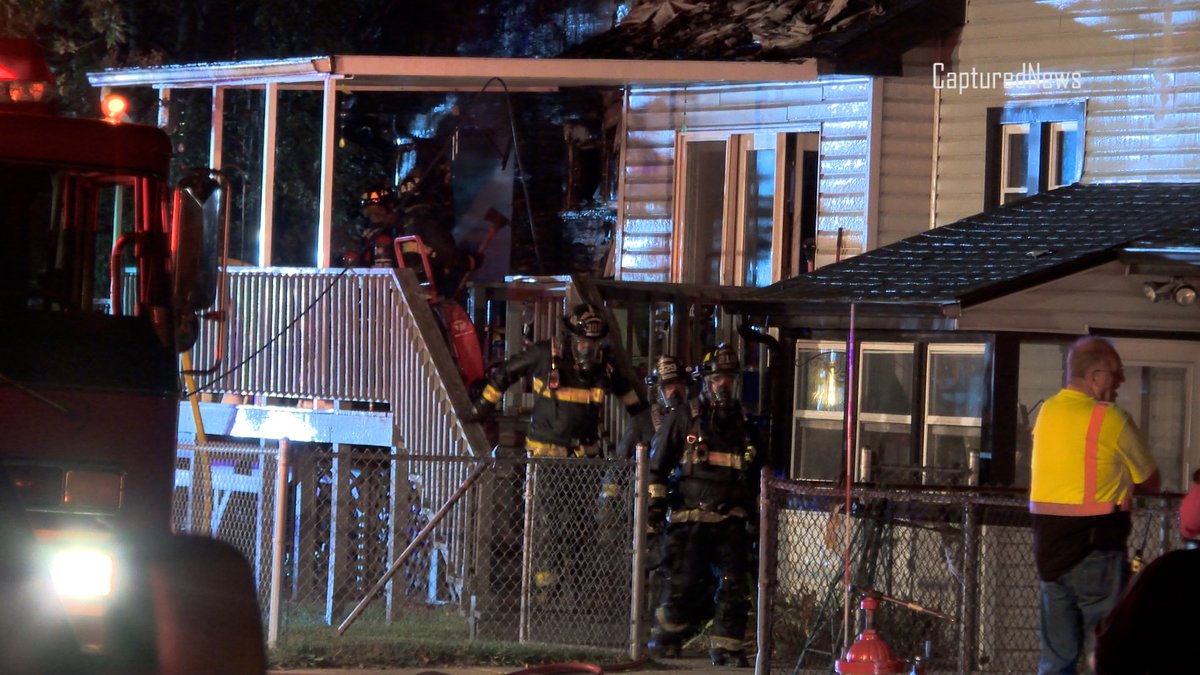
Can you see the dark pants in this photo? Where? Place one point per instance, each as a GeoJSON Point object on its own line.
{"type": "Point", "coordinates": [695, 553]}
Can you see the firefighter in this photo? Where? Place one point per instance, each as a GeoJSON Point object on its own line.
{"type": "Point", "coordinates": [391, 213]}
{"type": "Point", "coordinates": [669, 384]}
{"type": "Point", "coordinates": [710, 458]}
{"type": "Point", "coordinates": [571, 376]}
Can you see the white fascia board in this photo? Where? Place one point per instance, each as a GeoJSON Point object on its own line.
{"type": "Point", "coordinates": [453, 73]}
{"type": "Point", "coordinates": [226, 74]}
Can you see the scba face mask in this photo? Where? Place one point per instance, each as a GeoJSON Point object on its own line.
{"type": "Point", "coordinates": [721, 389]}
{"type": "Point", "coordinates": [672, 395]}
{"type": "Point", "coordinates": [586, 352]}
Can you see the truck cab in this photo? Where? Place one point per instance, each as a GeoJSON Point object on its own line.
{"type": "Point", "coordinates": [101, 289]}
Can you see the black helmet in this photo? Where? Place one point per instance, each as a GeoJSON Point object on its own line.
{"type": "Point", "coordinates": [378, 195]}
{"type": "Point", "coordinates": [723, 359]}
{"type": "Point", "coordinates": [669, 370]}
{"type": "Point", "coordinates": [586, 321]}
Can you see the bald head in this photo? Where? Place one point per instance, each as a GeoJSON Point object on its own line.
{"type": "Point", "coordinates": [1094, 367]}
{"type": "Point", "coordinates": [1088, 353]}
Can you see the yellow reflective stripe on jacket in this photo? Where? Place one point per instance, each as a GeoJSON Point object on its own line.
{"type": "Point", "coordinates": [569, 394]}
{"type": "Point", "coordinates": [703, 516]}
{"type": "Point", "coordinates": [725, 459]}
{"type": "Point", "coordinates": [544, 449]}
{"type": "Point", "coordinates": [492, 394]}
{"type": "Point", "coordinates": [657, 490]}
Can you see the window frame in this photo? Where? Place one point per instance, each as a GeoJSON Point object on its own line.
{"type": "Point", "coordinates": [1044, 120]}
{"type": "Point", "coordinates": [786, 216]}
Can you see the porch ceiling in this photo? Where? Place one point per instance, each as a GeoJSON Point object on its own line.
{"type": "Point", "coordinates": [451, 73]}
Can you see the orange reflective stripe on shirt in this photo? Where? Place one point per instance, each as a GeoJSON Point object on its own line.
{"type": "Point", "coordinates": [1091, 451]}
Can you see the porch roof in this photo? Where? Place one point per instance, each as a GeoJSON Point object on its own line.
{"type": "Point", "coordinates": [446, 73]}
{"type": "Point", "coordinates": [996, 253]}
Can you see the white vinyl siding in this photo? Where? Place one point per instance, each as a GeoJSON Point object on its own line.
{"type": "Point", "coordinates": [1069, 305]}
{"type": "Point", "coordinates": [906, 151]}
{"type": "Point", "coordinates": [1138, 68]}
{"type": "Point", "coordinates": [837, 108]}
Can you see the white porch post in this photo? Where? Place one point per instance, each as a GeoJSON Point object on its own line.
{"type": "Point", "coordinates": [328, 131]}
{"type": "Point", "coordinates": [266, 208]}
{"type": "Point", "coordinates": [217, 135]}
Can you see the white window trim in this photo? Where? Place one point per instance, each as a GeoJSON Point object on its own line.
{"type": "Point", "coordinates": [1006, 132]}
{"type": "Point", "coordinates": [930, 421]}
{"type": "Point", "coordinates": [737, 143]}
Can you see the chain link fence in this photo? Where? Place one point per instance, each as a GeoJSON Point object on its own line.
{"type": "Point", "coordinates": [955, 570]}
{"type": "Point", "coordinates": [227, 491]}
{"type": "Point", "coordinates": [536, 551]}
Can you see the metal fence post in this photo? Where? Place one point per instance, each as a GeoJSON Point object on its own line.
{"type": "Point", "coordinates": [762, 659]}
{"type": "Point", "coordinates": [641, 487]}
{"type": "Point", "coordinates": [277, 542]}
{"type": "Point", "coordinates": [970, 571]}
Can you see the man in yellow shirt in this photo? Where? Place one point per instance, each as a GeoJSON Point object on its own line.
{"type": "Point", "coordinates": [1088, 460]}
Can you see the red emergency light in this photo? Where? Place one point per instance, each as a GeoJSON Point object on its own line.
{"type": "Point", "coordinates": [25, 78]}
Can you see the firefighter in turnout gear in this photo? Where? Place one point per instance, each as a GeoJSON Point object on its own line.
{"type": "Point", "coordinates": [570, 378]}
{"type": "Point", "coordinates": [668, 385]}
{"type": "Point", "coordinates": [704, 467]}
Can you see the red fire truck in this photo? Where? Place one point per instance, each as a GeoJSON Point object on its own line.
{"type": "Point", "coordinates": [100, 290]}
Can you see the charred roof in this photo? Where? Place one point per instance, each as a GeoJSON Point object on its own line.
{"type": "Point", "coordinates": [861, 36]}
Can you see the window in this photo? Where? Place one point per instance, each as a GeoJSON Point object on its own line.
{"type": "Point", "coordinates": [820, 403]}
{"type": "Point", "coordinates": [747, 206]}
{"type": "Point", "coordinates": [956, 388]}
{"type": "Point", "coordinates": [1156, 393]}
{"type": "Point", "coordinates": [1032, 149]}
{"type": "Point", "coordinates": [885, 413]}
{"type": "Point", "coordinates": [919, 420]}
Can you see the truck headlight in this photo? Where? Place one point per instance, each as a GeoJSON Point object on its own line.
{"type": "Point", "coordinates": [82, 573]}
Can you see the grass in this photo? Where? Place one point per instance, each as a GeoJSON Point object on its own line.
{"type": "Point", "coordinates": [418, 638]}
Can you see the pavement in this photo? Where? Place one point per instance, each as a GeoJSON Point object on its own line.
{"type": "Point", "coordinates": [684, 666]}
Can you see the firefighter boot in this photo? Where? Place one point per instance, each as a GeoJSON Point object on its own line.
{"type": "Point", "coordinates": [664, 645]}
{"type": "Point", "coordinates": [733, 658]}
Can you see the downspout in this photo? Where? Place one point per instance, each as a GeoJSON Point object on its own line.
{"type": "Point", "coordinates": [614, 266]}
{"type": "Point", "coordinates": [774, 377]}
{"type": "Point", "coordinates": [937, 139]}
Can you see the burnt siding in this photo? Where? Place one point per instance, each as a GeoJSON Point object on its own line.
{"type": "Point", "coordinates": [838, 108]}
{"type": "Point", "coordinates": [1139, 72]}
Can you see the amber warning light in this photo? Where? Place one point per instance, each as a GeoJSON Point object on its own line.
{"type": "Point", "coordinates": [114, 106]}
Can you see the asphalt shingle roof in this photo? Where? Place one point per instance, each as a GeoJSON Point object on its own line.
{"type": "Point", "coordinates": [769, 30]}
{"type": "Point", "coordinates": [1012, 248]}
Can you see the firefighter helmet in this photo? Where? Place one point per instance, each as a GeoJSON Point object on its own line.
{"type": "Point", "coordinates": [378, 195]}
{"type": "Point", "coordinates": [586, 321]}
{"type": "Point", "coordinates": [667, 371]}
{"type": "Point", "coordinates": [720, 370]}
{"type": "Point", "coordinates": [723, 359]}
